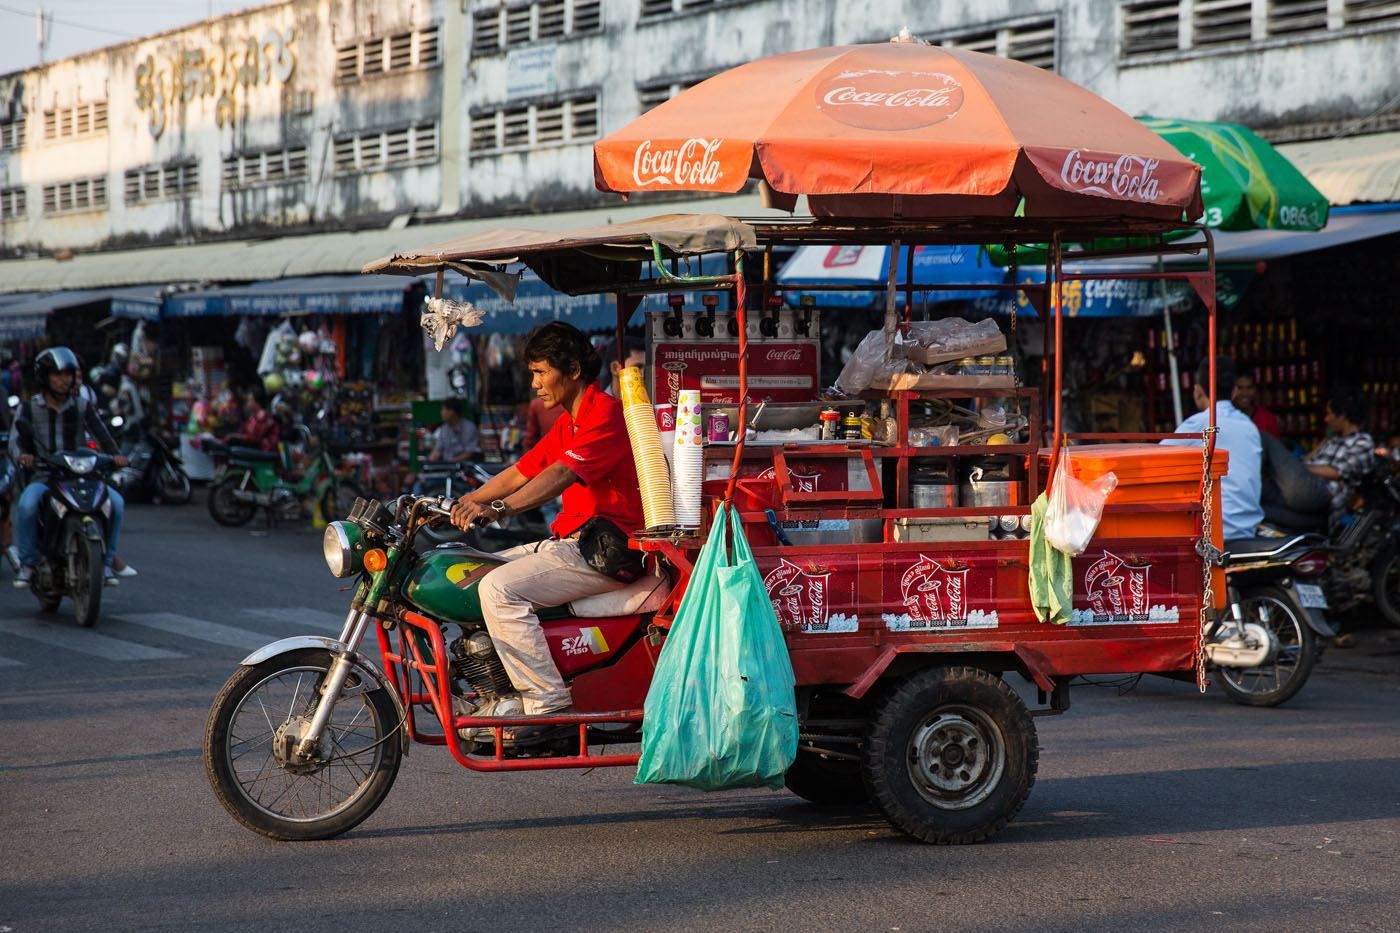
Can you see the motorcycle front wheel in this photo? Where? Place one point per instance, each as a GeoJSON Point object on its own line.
{"type": "Point", "coordinates": [224, 506]}
{"type": "Point", "coordinates": [1385, 582]}
{"type": "Point", "coordinates": [1278, 679]}
{"type": "Point", "coordinates": [85, 577]}
{"type": "Point", "coordinates": [261, 711]}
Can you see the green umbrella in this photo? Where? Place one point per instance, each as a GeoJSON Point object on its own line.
{"type": "Point", "coordinates": [1245, 182]}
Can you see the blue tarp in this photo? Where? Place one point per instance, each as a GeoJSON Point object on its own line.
{"type": "Point", "coordinates": [857, 265]}
{"type": "Point", "coordinates": [359, 294]}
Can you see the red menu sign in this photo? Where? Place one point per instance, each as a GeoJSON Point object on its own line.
{"type": "Point", "coordinates": [779, 370]}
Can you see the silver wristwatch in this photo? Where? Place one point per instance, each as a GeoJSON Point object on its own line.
{"type": "Point", "coordinates": [500, 508]}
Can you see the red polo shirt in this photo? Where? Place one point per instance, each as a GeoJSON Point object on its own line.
{"type": "Point", "coordinates": [596, 448]}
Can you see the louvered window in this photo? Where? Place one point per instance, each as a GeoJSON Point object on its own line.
{"type": "Point", "coordinates": [976, 42]}
{"type": "Point", "coordinates": [401, 51]}
{"type": "Point", "coordinates": [588, 16]}
{"type": "Point", "coordinates": [66, 120]}
{"type": "Point", "coordinates": [1033, 44]}
{"type": "Point", "coordinates": [549, 123]}
{"type": "Point", "coordinates": [517, 127]}
{"type": "Point", "coordinates": [1367, 12]}
{"type": "Point", "coordinates": [1216, 22]}
{"type": "Point", "coordinates": [83, 121]}
{"type": "Point", "coordinates": [486, 32]}
{"type": "Point", "coordinates": [654, 95]}
{"type": "Point", "coordinates": [14, 202]}
{"type": "Point", "coordinates": [345, 154]}
{"type": "Point", "coordinates": [428, 50]}
{"type": "Point", "coordinates": [296, 163]}
{"type": "Point", "coordinates": [551, 19]}
{"type": "Point", "coordinates": [517, 25]}
{"type": "Point", "coordinates": [583, 118]}
{"type": "Point", "coordinates": [150, 184]}
{"type": "Point", "coordinates": [484, 136]}
{"type": "Point", "coordinates": [425, 141]}
{"type": "Point", "coordinates": [1151, 27]}
{"type": "Point", "coordinates": [347, 62]}
{"type": "Point", "coordinates": [691, 4]}
{"type": "Point", "coordinates": [99, 116]}
{"type": "Point", "coordinates": [1286, 17]}
{"type": "Point", "coordinates": [396, 146]}
{"type": "Point", "coordinates": [374, 56]}
{"type": "Point", "coordinates": [50, 124]}
{"type": "Point", "coordinates": [131, 186]}
{"type": "Point", "coordinates": [256, 168]}
{"type": "Point", "coordinates": [230, 177]}
{"type": "Point", "coordinates": [12, 135]}
{"type": "Point", "coordinates": [657, 7]}
{"type": "Point", "coordinates": [80, 194]}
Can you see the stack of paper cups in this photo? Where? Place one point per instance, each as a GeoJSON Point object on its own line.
{"type": "Point", "coordinates": [652, 473]}
{"type": "Point", "coordinates": [666, 425]}
{"type": "Point", "coordinates": [688, 459]}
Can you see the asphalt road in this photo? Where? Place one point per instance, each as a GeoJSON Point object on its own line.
{"type": "Point", "coordinates": [1159, 809]}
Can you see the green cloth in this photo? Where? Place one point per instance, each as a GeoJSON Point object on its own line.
{"type": "Point", "coordinates": [1051, 578]}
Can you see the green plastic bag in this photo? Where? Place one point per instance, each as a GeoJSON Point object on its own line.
{"type": "Point", "coordinates": [721, 711]}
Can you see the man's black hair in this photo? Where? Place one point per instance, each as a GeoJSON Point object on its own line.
{"type": "Point", "coordinates": [564, 346]}
{"type": "Point", "coordinates": [1224, 376]}
{"type": "Point", "coordinates": [453, 403]}
{"type": "Point", "coordinates": [1348, 402]}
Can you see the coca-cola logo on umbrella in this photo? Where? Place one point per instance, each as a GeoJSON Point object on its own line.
{"type": "Point", "coordinates": [890, 100]}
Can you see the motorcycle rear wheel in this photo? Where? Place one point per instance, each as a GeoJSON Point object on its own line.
{"type": "Point", "coordinates": [227, 510]}
{"type": "Point", "coordinates": [85, 572]}
{"type": "Point", "coordinates": [172, 485]}
{"type": "Point", "coordinates": [331, 796]}
{"type": "Point", "coordinates": [1278, 681]}
{"type": "Point", "coordinates": [1386, 587]}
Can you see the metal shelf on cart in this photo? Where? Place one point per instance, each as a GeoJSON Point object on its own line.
{"type": "Point", "coordinates": [971, 450]}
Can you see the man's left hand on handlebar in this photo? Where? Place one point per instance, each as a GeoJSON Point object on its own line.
{"type": "Point", "coordinates": [466, 513]}
{"type": "Point", "coordinates": [120, 461]}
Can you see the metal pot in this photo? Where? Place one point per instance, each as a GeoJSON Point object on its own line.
{"type": "Point", "coordinates": [930, 487]}
{"type": "Point", "coordinates": [983, 487]}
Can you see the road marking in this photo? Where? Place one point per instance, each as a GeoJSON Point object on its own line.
{"type": "Point", "coordinates": [85, 641]}
{"type": "Point", "coordinates": [299, 617]}
{"type": "Point", "coordinates": [198, 629]}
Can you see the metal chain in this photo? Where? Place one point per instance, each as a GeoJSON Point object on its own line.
{"type": "Point", "coordinates": [1208, 554]}
{"type": "Point", "coordinates": [1015, 303]}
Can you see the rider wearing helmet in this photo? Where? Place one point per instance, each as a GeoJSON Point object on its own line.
{"type": "Point", "coordinates": [56, 419]}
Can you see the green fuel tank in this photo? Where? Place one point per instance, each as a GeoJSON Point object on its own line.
{"type": "Point", "coordinates": [443, 585]}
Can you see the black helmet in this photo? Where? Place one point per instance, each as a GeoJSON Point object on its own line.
{"type": "Point", "coordinates": [54, 360]}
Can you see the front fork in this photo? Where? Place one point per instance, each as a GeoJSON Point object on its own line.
{"type": "Point", "coordinates": [350, 636]}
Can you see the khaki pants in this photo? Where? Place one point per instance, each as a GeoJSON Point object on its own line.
{"type": "Point", "coordinates": [539, 575]}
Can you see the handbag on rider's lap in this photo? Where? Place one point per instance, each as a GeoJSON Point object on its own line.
{"type": "Point", "coordinates": [721, 711]}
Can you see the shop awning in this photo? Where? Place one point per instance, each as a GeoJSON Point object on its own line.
{"type": "Point", "coordinates": [1351, 169]}
{"type": "Point", "coordinates": [1344, 225]}
{"type": "Point", "coordinates": [357, 294]}
{"type": "Point", "coordinates": [19, 322]}
{"type": "Point", "coordinates": [318, 254]}
{"type": "Point", "coordinates": [535, 304]}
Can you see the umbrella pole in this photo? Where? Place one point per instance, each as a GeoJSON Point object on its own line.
{"type": "Point", "coordinates": [1171, 345]}
{"type": "Point", "coordinates": [891, 301]}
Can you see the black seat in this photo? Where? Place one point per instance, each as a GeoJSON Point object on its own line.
{"type": "Point", "coordinates": [1243, 550]}
{"type": "Point", "coordinates": [254, 455]}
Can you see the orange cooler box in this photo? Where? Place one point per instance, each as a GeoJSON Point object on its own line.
{"type": "Point", "coordinates": [1148, 475]}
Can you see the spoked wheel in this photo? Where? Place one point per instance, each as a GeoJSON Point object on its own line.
{"type": "Point", "coordinates": [1286, 670]}
{"type": "Point", "coordinates": [951, 756]}
{"type": "Point", "coordinates": [339, 498]}
{"type": "Point", "coordinates": [85, 577]}
{"type": "Point", "coordinates": [259, 717]}
{"type": "Point", "coordinates": [224, 506]}
{"type": "Point", "coordinates": [1386, 587]}
{"type": "Point", "coordinates": [172, 485]}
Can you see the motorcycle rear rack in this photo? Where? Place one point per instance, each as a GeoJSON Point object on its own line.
{"type": "Point", "coordinates": [435, 694]}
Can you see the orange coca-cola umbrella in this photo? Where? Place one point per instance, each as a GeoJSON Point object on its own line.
{"type": "Point", "coordinates": [904, 129]}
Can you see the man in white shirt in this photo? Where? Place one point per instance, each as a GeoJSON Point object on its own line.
{"type": "Point", "coordinates": [1240, 487]}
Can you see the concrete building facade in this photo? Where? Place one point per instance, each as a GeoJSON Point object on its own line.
{"type": "Point", "coordinates": [309, 115]}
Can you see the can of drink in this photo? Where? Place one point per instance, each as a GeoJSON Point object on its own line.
{"type": "Point", "coordinates": [830, 420]}
{"type": "Point", "coordinates": [718, 429]}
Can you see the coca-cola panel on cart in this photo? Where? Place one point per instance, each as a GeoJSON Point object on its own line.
{"type": "Point", "coordinates": [697, 347]}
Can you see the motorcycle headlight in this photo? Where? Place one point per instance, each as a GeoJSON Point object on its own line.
{"type": "Point", "coordinates": [343, 547]}
{"type": "Point", "coordinates": [80, 464]}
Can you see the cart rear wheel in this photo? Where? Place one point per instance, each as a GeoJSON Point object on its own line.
{"type": "Point", "coordinates": [951, 756]}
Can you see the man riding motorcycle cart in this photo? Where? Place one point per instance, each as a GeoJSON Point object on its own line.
{"type": "Point", "coordinates": [55, 419]}
{"type": "Point", "coordinates": [587, 457]}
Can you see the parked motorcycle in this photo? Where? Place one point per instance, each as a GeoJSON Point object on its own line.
{"type": "Point", "coordinates": [73, 520]}
{"type": "Point", "coordinates": [455, 478]}
{"type": "Point", "coordinates": [1265, 647]}
{"type": "Point", "coordinates": [155, 468]}
{"type": "Point", "coordinates": [329, 754]}
{"type": "Point", "coordinates": [254, 479]}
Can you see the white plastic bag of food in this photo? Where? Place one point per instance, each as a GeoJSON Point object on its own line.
{"type": "Point", "coordinates": [1075, 507]}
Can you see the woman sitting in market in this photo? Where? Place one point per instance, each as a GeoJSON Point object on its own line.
{"type": "Point", "coordinates": [259, 428]}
